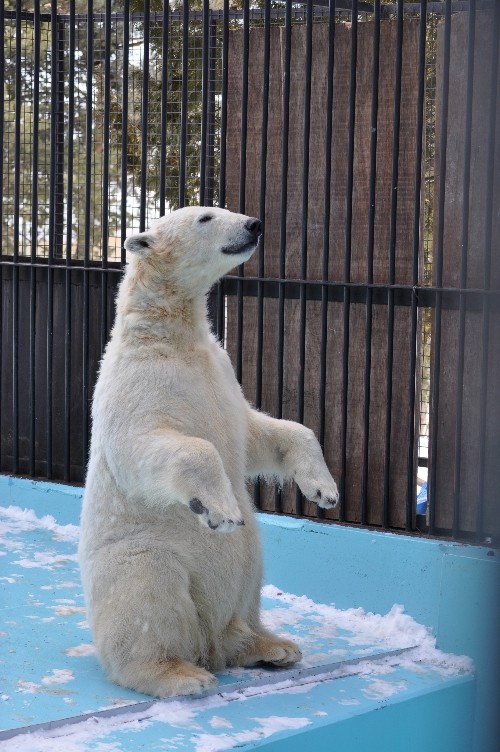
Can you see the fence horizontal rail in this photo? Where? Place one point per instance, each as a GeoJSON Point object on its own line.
{"type": "Point", "coordinates": [321, 9]}
{"type": "Point", "coordinates": [425, 297]}
{"type": "Point", "coordinates": [291, 289]}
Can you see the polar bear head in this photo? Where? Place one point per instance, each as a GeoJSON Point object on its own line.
{"type": "Point", "coordinates": [194, 246]}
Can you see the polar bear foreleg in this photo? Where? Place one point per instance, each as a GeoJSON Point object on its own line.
{"type": "Point", "coordinates": [165, 468]}
{"type": "Point", "coordinates": [285, 450]}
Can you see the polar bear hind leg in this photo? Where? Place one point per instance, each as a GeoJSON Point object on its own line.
{"type": "Point", "coordinates": [146, 626]}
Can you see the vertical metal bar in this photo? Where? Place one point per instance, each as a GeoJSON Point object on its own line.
{"type": "Point", "coordinates": [347, 252]}
{"type": "Point", "coordinates": [412, 373]}
{"type": "Point", "coordinates": [212, 72]}
{"type": "Point", "coordinates": [164, 106]}
{"type": "Point", "coordinates": [244, 107]}
{"type": "Point", "coordinates": [284, 203]}
{"type": "Point", "coordinates": [223, 114]}
{"type": "Point", "coordinates": [283, 213]}
{"type": "Point", "coordinates": [242, 186]}
{"type": "Point", "coordinates": [184, 103]}
{"type": "Point", "coordinates": [144, 118]}
{"type": "Point", "coordinates": [89, 148]}
{"type": "Point", "coordinates": [69, 242]}
{"type": "Point", "coordinates": [370, 253]}
{"type": "Point", "coordinates": [392, 260]}
{"type": "Point", "coordinates": [105, 172]}
{"type": "Point", "coordinates": [34, 231]}
{"type": "Point", "coordinates": [223, 154]}
{"type": "Point", "coordinates": [2, 115]}
{"type": "Point", "coordinates": [53, 198]}
{"type": "Point", "coordinates": [124, 139]}
{"type": "Point", "coordinates": [483, 401]}
{"type": "Point", "coordinates": [262, 202]}
{"type": "Point", "coordinates": [262, 215]}
{"type": "Point", "coordinates": [54, 221]}
{"type": "Point", "coordinates": [463, 268]}
{"type": "Point", "coordinates": [438, 261]}
{"type": "Point", "coordinates": [16, 230]}
{"type": "Point", "coordinates": [59, 148]}
{"type": "Point", "coordinates": [305, 228]}
{"type": "Point", "coordinates": [326, 228]}
{"type": "Point", "coordinates": [205, 68]}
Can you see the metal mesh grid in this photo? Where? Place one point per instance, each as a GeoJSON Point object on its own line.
{"type": "Point", "coordinates": [76, 136]}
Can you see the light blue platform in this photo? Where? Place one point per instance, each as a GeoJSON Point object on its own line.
{"type": "Point", "coordinates": [349, 693]}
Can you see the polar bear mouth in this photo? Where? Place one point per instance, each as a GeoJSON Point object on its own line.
{"type": "Point", "coordinates": [233, 250]}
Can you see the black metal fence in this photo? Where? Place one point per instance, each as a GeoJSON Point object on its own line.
{"type": "Point", "coordinates": [365, 135]}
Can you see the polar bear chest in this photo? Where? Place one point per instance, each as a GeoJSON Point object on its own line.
{"type": "Point", "coordinates": [201, 397]}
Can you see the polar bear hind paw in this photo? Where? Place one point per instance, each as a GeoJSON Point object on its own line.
{"type": "Point", "coordinates": [166, 678]}
{"type": "Point", "coordinates": [215, 520]}
{"type": "Point", "coordinates": [274, 651]}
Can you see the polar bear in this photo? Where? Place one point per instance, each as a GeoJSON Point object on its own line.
{"type": "Point", "coordinates": [169, 553]}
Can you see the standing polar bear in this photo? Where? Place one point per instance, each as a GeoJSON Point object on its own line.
{"type": "Point", "coordinates": [173, 442]}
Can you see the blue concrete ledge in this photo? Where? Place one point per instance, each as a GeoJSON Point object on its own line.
{"type": "Point", "coordinates": [450, 588]}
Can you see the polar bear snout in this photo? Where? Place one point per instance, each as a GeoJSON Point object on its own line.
{"type": "Point", "coordinates": [254, 227]}
{"type": "Point", "coordinates": [247, 239]}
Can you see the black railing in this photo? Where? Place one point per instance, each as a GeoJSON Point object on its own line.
{"type": "Point", "coordinates": [366, 137]}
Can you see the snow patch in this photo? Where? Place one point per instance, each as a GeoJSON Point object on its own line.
{"type": "Point", "coordinates": [266, 727]}
{"type": "Point", "coordinates": [58, 676]}
{"type": "Point", "coordinates": [46, 560]}
{"type": "Point", "coordinates": [218, 722]}
{"type": "Point", "coordinates": [13, 519]}
{"type": "Point", "coordinates": [67, 610]}
{"type": "Point", "coordinates": [381, 689]}
{"type": "Point", "coordinates": [392, 631]}
{"type": "Point", "coordinates": [81, 650]}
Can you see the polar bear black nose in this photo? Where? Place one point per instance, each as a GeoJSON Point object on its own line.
{"type": "Point", "coordinates": [254, 226]}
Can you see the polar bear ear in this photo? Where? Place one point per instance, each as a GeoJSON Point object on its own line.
{"type": "Point", "coordinates": [140, 244]}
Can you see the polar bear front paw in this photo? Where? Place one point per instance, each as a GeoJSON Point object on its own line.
{"type": "Point", "coordinates": [327, 499]}
{"type": "Point", "coordinates": [324, 493]}
{"type": "Point", "coordinates": [216, 520]}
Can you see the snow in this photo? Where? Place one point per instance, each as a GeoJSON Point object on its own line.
{"type": "Point", "coordinates": [265, 727]}
{"type": "Point", "coordinates": [81, 650]}
{"type": "Point", "coordinates": [17, 520]}
{"type": "Point", "coordinates": [59, 676]}
{"type": "Point", "coordinates": [394, 630]}
{"type": "Point", "coordinates": [381, 689]}
{"type": "Point", "coordinates": [67, 610]}
{"type": "Point", "coordinates": [45, 560]}
{"type": "Point", "coordinates": [218, 722]}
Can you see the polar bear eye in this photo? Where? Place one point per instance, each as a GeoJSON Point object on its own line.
{"type": "Point", "coordinates": [205, 218]}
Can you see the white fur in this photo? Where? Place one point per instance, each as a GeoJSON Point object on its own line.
{"type": "Point", "coordinates": [173, 442]}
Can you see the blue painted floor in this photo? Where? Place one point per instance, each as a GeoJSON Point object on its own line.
{"type": "Point", "coordinates": [48, 670]}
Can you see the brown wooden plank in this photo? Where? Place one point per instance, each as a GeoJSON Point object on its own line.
{"type": "Point", "coordinates": [468, 479]}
